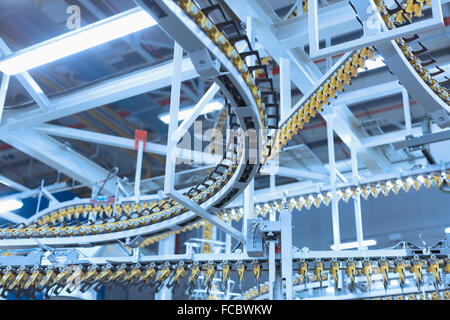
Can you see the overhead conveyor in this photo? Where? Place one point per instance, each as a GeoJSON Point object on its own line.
{"type": "Point", "coordinates": [207, 32]}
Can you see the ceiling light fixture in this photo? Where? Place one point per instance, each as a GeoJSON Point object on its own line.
{"type": "Point", "coordinates": [76, 41]}
{"type": "Point", "coordinates": [10, 204]}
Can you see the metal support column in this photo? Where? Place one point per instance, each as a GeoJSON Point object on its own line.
{"type": "Point", "coordinates": [169, 179]}
{"type": "Point", "coordinates": [137, 177]}
{"type": "Point", "coordinates": [286, 249]}
{"type": "Point", "coordinates": [272, 270]}
{"type": "Point", "coordinates": [39, 197]}
{"type": "Point", "coordinates": [166, 246]}
{"type": "Point", "coordinates": [12, 184]}
{"type": "Point", "coordinates": [285, 87]}
{"type": "Point", "coordinates": [272, 182]}
{"type": "Point", "coordinates": [330, 58]}
{"type": "Point", "coordinates": [3, 90]}
{"type": "Point", "coordinates": [313, 26]}
{"type": "Point", "coordinates": [278, 287]}
{"type": "Point", "coordinates": [249, 192]}
{"type": "Point", "coordinates": [406, 111]}
{"type": "Point", "coordinates": [334, 199]}
{"type": "Point", "coordinates": [250, 31]}
{"type": "Point", "coordinates": [228, 241]}
{"type": "Point", "coordinates": [357, 200]}
{"type": "Point", "coordinates": [249, 206]}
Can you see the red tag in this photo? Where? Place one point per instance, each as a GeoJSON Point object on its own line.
{"type": "Point", "coordinates": [140, 135]}
{"type": "Point", "coordinates": [278, 248]}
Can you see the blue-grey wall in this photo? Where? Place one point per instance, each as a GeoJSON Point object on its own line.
{"type": "Point", "coordinates": [388, 220]}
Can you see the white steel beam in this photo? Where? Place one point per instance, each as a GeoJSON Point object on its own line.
{"type": "Point", "coordinates": [347, 128]}
{"type": "Point", "coordinates": [28, 82]}
{"type": "Point", "coordinates": [57, 187]}
{"type": "Point", "coordinates": [249, 191]}
{"type": "Point", "coordinates": [49, 196]}
{"type": "Point", "coordinates": [13, 217]}
{"type": "Point", "coordinates": [396, 136]}
{"type": "Point", "coordinates": [169, 179]}
{"type": "Point", "coordinates": [34, 90]}
{"type": "Point", "coordinates": [286, 249]}
{"type": "Point", "coordinates": [334, 20]}
{"type": "Point", "coordinates": [334, 197]}
{"type": "Point", "coordinates": [374, 92]}
{"type": "Point", "coordinates": [165, 247]}
{"type": "Point", "coordinates": [204, 214]}
{"type": "Point", "coordinates": [59, 156]}
{"type": "Point", "coordinates": [120, 142]}
{"type": "Point", "coordinates": [108, 91]}
{"type": "Point", "coordinates": [357, 200]}
{"type": "Point", "coordinates": [137, 178]}
{"type": "Point", "coordinates": [201, 104]}
{"type": "Point", "coordinates": [285, 87]}
{"type": "Point", "coordinates": [406, 111]}
{"type": "Point", "coordinates": [12, 184]}
{"type": "Point", "coordinates": [249, 205]}
{"type": "Point", "coordinates": [294, 173]}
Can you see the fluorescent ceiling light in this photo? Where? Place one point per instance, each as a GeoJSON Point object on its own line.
{"type": "Point", "coordinates": [10, 204]}
{"type": "Point", "coordinates": [447, 230]}
{"type": "Point", "coordinates": [186, 113]}
{"type": "Point", "coordinates": [372, 64]}
{"type": "Point", "coordinates": [352, 245]}
{"type": "Point", "coordinates": [76, 41]}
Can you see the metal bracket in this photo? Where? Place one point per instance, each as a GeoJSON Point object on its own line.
{"type": "Point", "coordinates": [441, 118]}
{"type": "Point", "coordinates": [206, 66]}
{"type": "Point", "coordinates": [416, 143]}
{"type": "Point", "coordinates": [260, 231]}
{"type": "Point", "coordinates": [134, 242]}
{"type": "Point", "coordinates": [31, 259]}
{"type": "Point", "coordinates": [63, 256]}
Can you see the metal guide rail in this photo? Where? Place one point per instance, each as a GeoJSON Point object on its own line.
{"type": "Point", "coordinates": [409, 180]}
{"type": "Point", "coordinates": [249, 97]}
{"type": "Point", "coordinates": [64, 269]}
{"type": "Point", "coordinates": [314, 290]}
{"type": "Point", "coordinates": [372, 187]}
{"type": "Point", "coordinates": [408, 65]}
